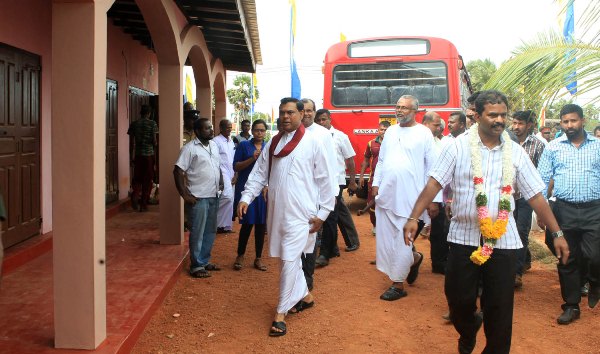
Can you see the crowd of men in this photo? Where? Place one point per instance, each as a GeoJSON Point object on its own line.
{"type": "Point", "coordinates": [476, 187]}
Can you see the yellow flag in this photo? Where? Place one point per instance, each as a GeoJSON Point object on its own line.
{"type": "Point", "coordinates": [342, 37]}
{"type": "Point", "coordinates": [254, 85]}
{"type": "Point", "coordinates": [188, 89]}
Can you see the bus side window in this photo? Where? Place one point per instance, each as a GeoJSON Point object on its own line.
{"type": "Point", "coordinates": [378, 96]}
{"type": "Point", "coordinates": [339, 96]}
{"type": "Point", "coordinates": [356, 95]}
{"type": "Point", "coordinates": [397, 91]}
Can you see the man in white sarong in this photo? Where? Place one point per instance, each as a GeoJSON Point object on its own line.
{"type": "Point", "coordinates": [293, 164]}
{"type": "Point", "coordinates": [226, 152]}
{"type": "Point", "coordinates": [406, 154]}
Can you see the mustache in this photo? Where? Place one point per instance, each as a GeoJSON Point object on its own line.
{"type": "Point", "coordinates": [496, 125]}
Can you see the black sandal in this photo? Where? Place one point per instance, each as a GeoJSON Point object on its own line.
{"type": "Point", "coordinates": [280, 326]}
{"type": "Point", "coordinates": [301, 306]}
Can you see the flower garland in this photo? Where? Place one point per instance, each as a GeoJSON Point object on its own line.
{"type": "Point", "coordinates": [491, 231]}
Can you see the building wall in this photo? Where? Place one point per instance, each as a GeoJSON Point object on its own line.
{"type": "Point", "coordinates": [27, 25]}
{"type": "Point", "coordinates": [130, 64]}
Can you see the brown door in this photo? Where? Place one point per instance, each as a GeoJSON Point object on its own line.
{"type": "Point", "coordinates": [20, 143]}
{"type": "Point", "coordinates": [112, 169]}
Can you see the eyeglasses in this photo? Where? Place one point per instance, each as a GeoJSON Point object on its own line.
{"type": "Point", "coordinates": [259, 130]}
{"type": "Point", "coordinates": [404, 109]}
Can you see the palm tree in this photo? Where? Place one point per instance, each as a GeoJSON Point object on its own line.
{"type": "Point", "coordinates": [538, 70]}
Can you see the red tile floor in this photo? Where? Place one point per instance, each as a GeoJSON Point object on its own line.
{"type": "Point", "coordinates": [139, 273]}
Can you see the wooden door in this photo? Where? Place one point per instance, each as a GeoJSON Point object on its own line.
{"type": "Point", "coordinates": [112, 160]}
{"type": "Point", "coordinates": [20, 143]}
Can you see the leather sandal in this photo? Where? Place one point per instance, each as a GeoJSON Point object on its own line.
{"type": "Point", "coordinates": [258, 265]}
{"type": "Point", "coordinates": [238, 263]}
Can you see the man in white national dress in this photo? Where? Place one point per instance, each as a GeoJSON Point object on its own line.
{"type": "Point", "coordinates": [483, 166]}
{"type": "Point", "coordinates": [291, 164]}
{"type": "Point", "coordinates": [406, 154]}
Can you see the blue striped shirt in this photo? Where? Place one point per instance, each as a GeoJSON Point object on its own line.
{"type": "Point", "coordinates": [575, 171]}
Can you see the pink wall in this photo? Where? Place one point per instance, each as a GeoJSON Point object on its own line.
{"type": "Point", "coordinates": [27, 25]}
{"type": "Point", "coordinates": [130, 64]}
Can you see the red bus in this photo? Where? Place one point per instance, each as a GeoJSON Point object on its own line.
{"type": "Point", "coordinates": [364, 79]}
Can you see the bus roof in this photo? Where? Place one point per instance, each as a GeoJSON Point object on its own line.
{"type": "Point", "coordinates": [437, 47]}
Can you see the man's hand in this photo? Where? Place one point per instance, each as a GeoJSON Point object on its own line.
{"type": "Point", "coordinates": [234, 179]}
{"type": "Point", "coordinates": [562, 249]}
{"type": "Point", "coordinates": [361, 181]}
{"type": "Point", "coordinates": [352, 186]}
{"type": "Point", "coordinates": [374, 191]}
{"type": "Point", "coordinates": [448, 210]}
{"type": "Point", "coordinates": [433, 210]}
{"type": "Point", "coordinates": [256, 154]}
{"type": "Point", "coordinates": [315, 223]}
{"type": "Point", "coordinates": [188, 198]}
{"type": "Point", "coordinates": [410, 231]}
{"type": "Point", "coordinates": [265, 192]}
{"type": "Point", "coordinates": [242, 209]}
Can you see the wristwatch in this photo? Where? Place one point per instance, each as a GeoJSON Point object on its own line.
{"type": "Point", "coordinates": [557, 234]}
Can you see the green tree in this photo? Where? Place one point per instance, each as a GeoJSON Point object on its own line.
{"type": "Point", "coordinates": [540, 69]}
{"type": "Point", "coordinates": [480, 72]}
{"type": "Point", "coordinates": [240, 96]}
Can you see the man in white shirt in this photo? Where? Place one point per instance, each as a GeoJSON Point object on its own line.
{"type": "Point", "coordinates": [438, 231]}
{"type": "Point", "coordinates": [227, 152]}
{"type": "Point", "coordinates": [341, 215]}
{"type": "Point", "coordinates": [322, 135]}
{"type": "Point", "coordinates": [406, 154]}
{"type": "Point", "coordinates": [293, 164]}
{"type": "Point", "coordinates": [483, 166]}
{"type": "Point", "coordinates": [198, 180]}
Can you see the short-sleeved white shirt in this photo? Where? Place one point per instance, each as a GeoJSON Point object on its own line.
{"type": "Point", "coordinates": [343, 151]}
{"type": "Point", "coordinates": [454, 168]}
{"type": "Point", "coordinates": [201, 165]}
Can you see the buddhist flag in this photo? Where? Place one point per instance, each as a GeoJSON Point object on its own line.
{"type": "Point", "coordinates": [568, 31]}
{"type": "Point", "coordinates": [342, 37]}
{"type": "Point", "coordinates": [542, 119]}
{"type": "Point", "coordinates": [188, 95]}
{"type": "Point", "coordinates": [296, 87]}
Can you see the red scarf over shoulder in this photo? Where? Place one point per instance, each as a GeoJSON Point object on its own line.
{"type": "Point", "coordinates": [288, 148]}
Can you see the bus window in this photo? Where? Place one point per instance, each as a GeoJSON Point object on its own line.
{"type": "Point", "coordinates": [380, 84]}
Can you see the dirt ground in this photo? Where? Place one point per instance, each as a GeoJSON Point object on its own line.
{"type": "Point", "coordinates": [231, 312]}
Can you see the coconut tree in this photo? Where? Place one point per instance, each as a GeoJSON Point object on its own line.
{"type": "Point", "coordinates": [538, 70]}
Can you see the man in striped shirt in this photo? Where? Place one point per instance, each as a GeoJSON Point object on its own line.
{"type": "Point", "coordinates": [522, 126]}
{"type": "Point", "coordinates": [572, 162]}
{"type": "Point", "coordinates": [498, 273]}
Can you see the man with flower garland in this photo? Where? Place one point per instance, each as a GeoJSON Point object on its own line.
{"type": "Point", "coordinates": [483, 166]}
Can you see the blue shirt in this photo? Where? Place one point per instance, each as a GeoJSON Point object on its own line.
{"type": "Point", "coordinates": [257, 210]}
{"type": "Point", "coordinates": [575, 171]}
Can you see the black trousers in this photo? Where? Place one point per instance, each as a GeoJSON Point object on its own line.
{"type": "Point", "coordinates": [308, 267]}
{"type": "Point", "coordinates": [259, 238]}
{"type": "Point", "coordinates": [581, 226]}
{"type": "Point", "coordinates": [345, 222]}
{"type": "Point", "coordinates": [498, 278]}
{"type": "Point", "coordinates": [438, 238]}
{"type": "Point", "coordinates": [523, 214]}
{"type": "Point", "coordinates": [329, 236]}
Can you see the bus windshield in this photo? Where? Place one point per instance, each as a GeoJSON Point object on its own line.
{"type": "Point", "coordinates": [379, 84]}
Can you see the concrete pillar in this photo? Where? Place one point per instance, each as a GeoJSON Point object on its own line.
{"type": "Point", "coordinates": [170, 130]}
{"type": "Point", "coordinates": [204, 100]}
{"type": "Point", "coordinates": [78, 172]}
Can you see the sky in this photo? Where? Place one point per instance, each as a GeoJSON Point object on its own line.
{"type": "Point", "coordinates": [479, 30]}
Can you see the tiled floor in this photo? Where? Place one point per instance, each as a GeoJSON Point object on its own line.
{"type": "Point", "coordinates": [139, 273]}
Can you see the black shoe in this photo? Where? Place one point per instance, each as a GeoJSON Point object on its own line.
{"type": "Point", "coordinates": [467, 344]}
{"type": "Point", "coordinates": [593, 296]}
{"type": "Point", "coordinates": [414, 270]}
{"type": "Point", "coordinates": [352, 248]}
{"type": "Point", "coordinates": [585, 289]}
{"type": "Point", "coordinates": [392, 294]}
{"type": "Point", "coordinates": [322, 261]}
{"type": "Point", "coordinates": [438, 269]}
{"type": "Point", "coordinates": [569, 315]}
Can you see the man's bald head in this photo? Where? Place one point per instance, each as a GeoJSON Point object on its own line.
{"type": "Point", "coordinates": [433, 121]}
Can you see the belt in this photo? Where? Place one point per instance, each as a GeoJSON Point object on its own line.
{"type": "Point", "coordinates": [581, 205]}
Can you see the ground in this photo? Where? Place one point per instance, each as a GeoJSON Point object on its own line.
{"type": "Point", "coordinates": [231, 312]}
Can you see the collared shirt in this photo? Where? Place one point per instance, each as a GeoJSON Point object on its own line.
{"type": "Point", "coordinates": [227, 151]}
{"type": "Point", "coordinates": [201, 166]}
{"type": "Point", "coordinates": [241, 138]}
{"type": "Point", "coordinates": [454, 168]}
{"type": "Point", "coordinates": [534, 148]}
{"type": "Point", "coordinates": [372, 153]}
{"type": "Point", "coordinates": [143, 131]}
{"type": "Point", "coordinates": [575, 171]}
{"type": "Point", "coordinates": [343, 150]}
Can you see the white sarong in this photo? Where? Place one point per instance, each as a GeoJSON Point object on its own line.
{"type": "Point", "coordinates": [394, 257]}
{"type": "Point", "coordinates": [292, 285]}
